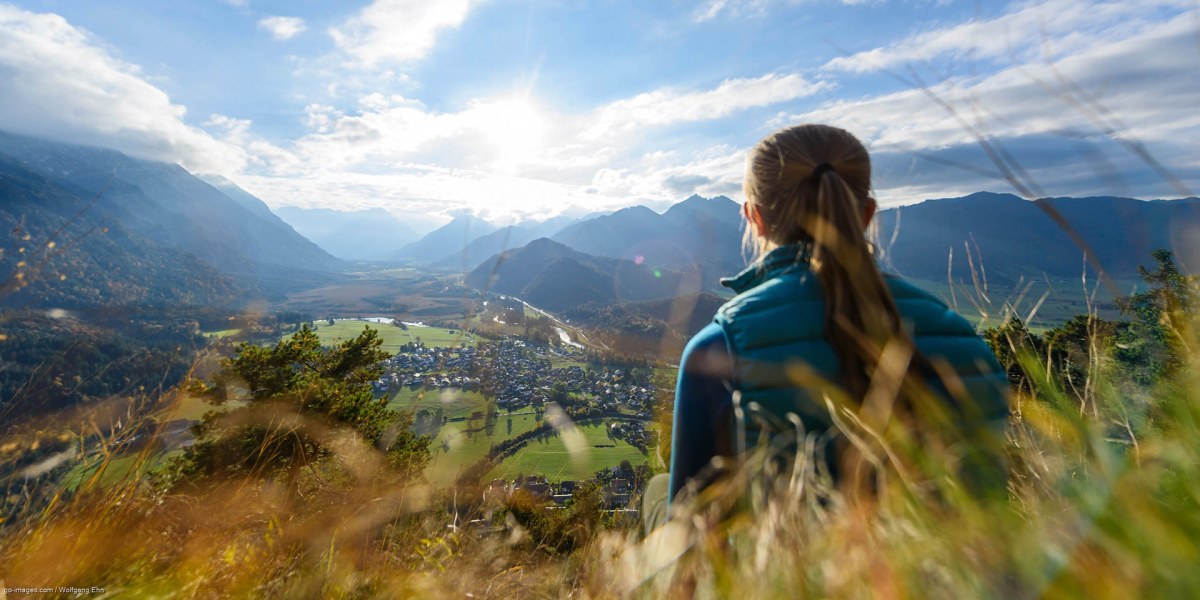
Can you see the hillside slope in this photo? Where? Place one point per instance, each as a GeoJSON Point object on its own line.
{"type": "Point", "coordinates": [552, 276]}
{"type": "Point", "coordinates": [449, 239]}
{"type": "Point", "coordinates": [63, 251]}
{"type": "Point", "coordinates": [169, 206]}
{"type": "Point", "coordinates": [1014, 237]}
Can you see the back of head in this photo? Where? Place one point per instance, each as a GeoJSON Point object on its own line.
{"type": "Point", "coordinates": [810, 184]}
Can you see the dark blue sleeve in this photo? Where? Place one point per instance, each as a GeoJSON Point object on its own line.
{"type": "Point", "coordinates": [703, 405]}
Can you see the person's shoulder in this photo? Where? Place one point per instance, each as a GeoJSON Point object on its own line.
{"type": "Point", "coordinates": [707, 352]}
{"type": "Point", "coordinates": [710, 337]}
{"type": "Point", "coordinates": [793, 287]}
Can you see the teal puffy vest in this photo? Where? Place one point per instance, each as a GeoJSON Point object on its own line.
{"type": "Point", "coordinates": [775, 331]}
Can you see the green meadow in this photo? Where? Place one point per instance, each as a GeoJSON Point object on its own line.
{"type": "Point", "coordinates": [459, 444]}
{"type": "Point", "coordinates": [116, 469]}
{"type": "Point", "coordinates": [392, 335]}
{"type": "Point", "coordinates": [454, 402]}
{"type": "Point", "coordinates": [550, 456]}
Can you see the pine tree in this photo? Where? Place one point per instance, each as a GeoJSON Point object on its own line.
{"type": "Point", "coordinates": [303, 405]}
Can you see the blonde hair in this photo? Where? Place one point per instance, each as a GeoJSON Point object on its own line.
{"type": "Point", "coordinates": [810, 184]}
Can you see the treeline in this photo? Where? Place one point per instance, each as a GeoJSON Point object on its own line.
{"type": "Point", "coordinates": [656, 330]}
{"type": "Point", "coordinates": [1141, 350]}
{"type": "Point", "coordinates": [55, 362]}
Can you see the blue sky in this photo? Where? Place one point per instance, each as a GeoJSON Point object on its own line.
{"type": "Point", "coordinates": [526, 109]}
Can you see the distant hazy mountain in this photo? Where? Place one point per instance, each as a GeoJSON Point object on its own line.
{"type": "Point", "coordinates": [712, 233]}
{"type": "Point", "coordinates": [169, 206]}
{"type": "Point", "coordinates": [505, 238]}
{"type": "Point", "coordinates": [483, 247]}
{"type": "Point", "coordinates": [76, 256]}
{"type": "Point", "coordinates": [627, 233]}
{"type": "Point", "coordinates": [700, 232]}
{"type": "Point", "coordinates": [552, 276]}
{"type": "Point", "coordinates": [449, 239]}
{"type": "Point", "coordinates": [352, 235]}
{"type": "Point", "coordinates": [1014, 237]}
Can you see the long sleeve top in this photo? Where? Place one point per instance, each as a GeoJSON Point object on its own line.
{"type": "Point", "coordinates": [703, 406]}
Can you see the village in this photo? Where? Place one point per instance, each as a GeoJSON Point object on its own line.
{"type": "Point", "coordinates": [522, 377]}
{"type": "Point", "coordinates": [517, 375]}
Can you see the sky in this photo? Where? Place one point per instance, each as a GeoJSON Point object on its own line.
{"type": "Point", "coordinates": [526, 109]}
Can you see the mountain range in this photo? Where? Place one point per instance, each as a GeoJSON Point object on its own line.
{"type": "Point", "coordinates": [160, 210]}
{"type": "Point", "coordinates": [550, 275]}
{"type": "Point", "coordinates": [697, 241]}
{"type": "Point", "coordinates": [58, 255]}
{"type": "Point", "coordinates": [1013, 237]}
{"type": "Point", "coordinates": [213, 229]}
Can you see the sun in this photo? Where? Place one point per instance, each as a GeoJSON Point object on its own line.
{"type": "Point", "coordinates": [514, 128]}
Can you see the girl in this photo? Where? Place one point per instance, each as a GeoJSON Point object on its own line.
{"type": "Point", "coordinates": [816, 332]}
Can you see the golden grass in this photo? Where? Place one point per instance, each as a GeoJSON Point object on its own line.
{"type": "Point", "coordinates": [1090, 514]}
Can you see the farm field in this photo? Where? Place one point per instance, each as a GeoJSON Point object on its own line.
{"type": "Point", "coordinates": [454, 402]}
{"type": "Point", "coordinates": [557, 362]}
{"type": "Point", "coordinates": [192, 408]}
{"type": "Point", "coordinates": [1066, 298]}
{"type": "Point", "coordinates": [393, 336]}
{"type": "Point", "coordinates": [224, 333]}
{"type": "Point", "coordinates": [550, 457]}
{"type": "Point", "coordinates": [129, 467]}
{"type": "Point", "coordinates": [461, 443]}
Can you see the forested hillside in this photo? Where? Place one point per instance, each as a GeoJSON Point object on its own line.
{"type": "Point", "coordinates": [552, 276]}
{"type": "Point", "coordinates": [1012, 237]}
{"type": "Point", "coordinates": [63, 249]}
{"type": "Point", "coordinates": [171, 207]}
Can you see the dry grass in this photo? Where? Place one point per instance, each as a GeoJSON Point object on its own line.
{"type": "Point", "coordinates": [1089, 514]}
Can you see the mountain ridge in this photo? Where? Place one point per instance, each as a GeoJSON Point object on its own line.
{"type": "Point", "coordinates": [169, 206]}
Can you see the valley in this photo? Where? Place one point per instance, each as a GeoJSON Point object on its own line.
{"type": "Point", "coordinates": [539, 349]}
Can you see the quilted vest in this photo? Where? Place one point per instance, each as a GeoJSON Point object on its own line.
{"type": "Point", "coordinates": [775, 331]}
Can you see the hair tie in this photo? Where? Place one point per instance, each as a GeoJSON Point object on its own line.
{"type": "Point", "coordinates": [820, 170]}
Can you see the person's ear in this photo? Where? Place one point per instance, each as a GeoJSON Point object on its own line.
{"type": "Point", "coordinates": [753, 217]}
{"type": "Point", "coordinates": [868, 211]}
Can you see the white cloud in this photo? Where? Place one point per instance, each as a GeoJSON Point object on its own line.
{"type": "Point", "coordinates": [423, 190]}
{"type": "Point", "coordinates": [1135, 77]}
{"type": "Point", "coordinates": [712, 9]}
{"type": "Point", "coordinates": [397, 31]}
{"type": "Point", "coordinates": [282, 28]}
{"type": "Point", "coordinates": [665, 106]}
{"type": "Point", "coordinates": [508, 154]}
{"type": "Point", "coordinates": [1026, 31]}
{"type": "Point", "coordinates": [662, 178]}
{"type": "Point", "coordinates": [60, 82]}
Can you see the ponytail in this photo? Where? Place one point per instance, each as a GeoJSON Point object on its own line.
{"type": "Point", "coordinates": [860, 314]}
{"type": "Point", "coordinates": [811, 184]}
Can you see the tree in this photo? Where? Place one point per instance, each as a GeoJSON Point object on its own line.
{"type": "Point", "coordinates": [1010, 342]}
{"type": "Point", "coordinates": [1161, 313]}
{"type": "Point", "coordinates": [301, 400]}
